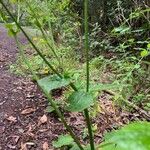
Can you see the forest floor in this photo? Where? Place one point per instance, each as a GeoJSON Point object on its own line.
{"type": "Point", "coordinates": [24, 122]}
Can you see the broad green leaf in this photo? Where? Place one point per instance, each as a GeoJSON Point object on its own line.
{"type": "Point", "coordinates": [135, 136]}
{"type": "Point", "coordinates": [148, 45]}
{"type": "Point", "coordinates": [144, 53]}
{"type": "Point", "coordinates": [79, 100]}
{"type": "Point", "coordinates": [53, 82]}
{"type": "Point", "coordinates": [63, 140]}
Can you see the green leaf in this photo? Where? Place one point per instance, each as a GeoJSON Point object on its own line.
{"type": "Point", "coordinates": [79, 100]}
{"type": "Point", "coordinates": [53, 82]}
{"type": "Point", "coordinates": [50, 109]}
{"type": "Point", "coordinates": [135, 136]}
{"type": "Point", "coordinates": [63, 140]}
{"type": "Point", "coordinates": [3, 17]}
{"type": "Point", "coordinates": [12, 28]}
{"type": "Point", "coordinates": [137, 66]}
{"type": "Point", "coordinates": [144, 53]}
{"type": "Point", "coordinates": [121, 30]}
{"type": "Point", "coordinates": [148, 45]}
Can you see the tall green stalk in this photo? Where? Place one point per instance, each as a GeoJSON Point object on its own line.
{"type": "Point", "coordinates": [86, 43]}
{"type": "Point", "coordinates": [50, 26]}
{"type": "Point", "coordinates": [86, 112]}
{"type": "Point", "coordinates": [18, 10]}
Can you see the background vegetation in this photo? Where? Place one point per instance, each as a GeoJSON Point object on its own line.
{"type": "Point", "coordinates": [119, 41]}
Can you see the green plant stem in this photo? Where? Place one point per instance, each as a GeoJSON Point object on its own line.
{"type": "Point", "coordinates": [18, 11]}
{"type": "Point", "coordinates": [42, 31]}
{"type": "Point", "coordinates": [50, 26]}
{"type": "Point", "coordinates": [86, 43]}
{"type": "Point", "coordinates": [48, 96]}
{"type": "Point", "coordinates": [63, 119]}
{"type": "Point", "coordinates": [86, 112]}
{"type": "Point", "coordinates": [51, 33]}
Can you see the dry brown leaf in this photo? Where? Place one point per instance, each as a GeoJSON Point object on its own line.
{"type": "Point", "coordinates": [43, 130]}
{"type": "Point", "coordinates": [43, 119]}
{"type": "Point", "coordinates": [30, 95]}
{"type": "Point", "coordinates": [23, 146]}
{"type": "Point", "coordinates": [30, 143]}
{"type": "Point", "coordinates": [29, 132]}
{"type": "Point", "coordinates": [11, 146]}
{"type": "Point", "coordinates": [29, 128]}
{"type": "Point", "coordinates": [16, 138]}
{"type": "Point", "coordinates": [12, 119]}
{"type": "Point", "coordinates": [45, 146]}
{"type": "Point", "coordinates": [28, 111]}
{"type": "Point", "coordinates": [2, 129]}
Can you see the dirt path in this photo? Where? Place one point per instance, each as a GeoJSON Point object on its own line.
{"type": "Point", "coordinates": [8, 52]}
{"type": "Point", "coordinates": [18, 94]}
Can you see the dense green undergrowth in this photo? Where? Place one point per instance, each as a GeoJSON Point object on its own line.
{"type": "Point", "coordinates": [128, 70]}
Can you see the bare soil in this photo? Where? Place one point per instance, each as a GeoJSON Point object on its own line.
{"type": "Point", "coordinates": [18, 94]}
